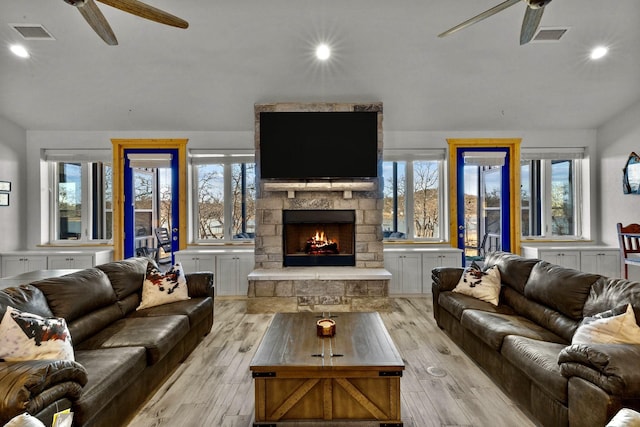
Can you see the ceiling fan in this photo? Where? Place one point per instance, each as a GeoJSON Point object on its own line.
{"type": "Point", "coordinates": [89, 10]}
{"type": "Point", "coordinates": [532, 18]}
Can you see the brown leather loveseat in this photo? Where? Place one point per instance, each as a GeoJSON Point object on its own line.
{"type": "Point", "coordinates": [524, 343]}
{"type": "Point", "coordinates": [121, 354]}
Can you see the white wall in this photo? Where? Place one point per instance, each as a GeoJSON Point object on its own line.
{"type": "Point", "coordinates": [12, 160]}
{"type": "Point", "coordinates": [37, 141]}
{"type": "Point", "coordinates": [616, 140]}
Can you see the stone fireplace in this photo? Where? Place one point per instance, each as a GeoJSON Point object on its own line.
{"type": "Point", "coordinates": [340, 269]}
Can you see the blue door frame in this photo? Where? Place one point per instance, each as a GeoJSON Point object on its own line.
{"type": "Point", "coordinates": [129, 212]}
{"type": "Point", "coordinates": [505, 226]}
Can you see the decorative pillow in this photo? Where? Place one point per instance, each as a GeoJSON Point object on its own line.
{"type": "Point", "coordinates": [617, 326]}
{"type": "Point", "coordinates": [26, 336]}
{"type": "Point", "coordinates": [159, 288]}
{"type": "Point", "coordinates": [24, 420]}
{"type": "Point", "coordinates": [484, 285]}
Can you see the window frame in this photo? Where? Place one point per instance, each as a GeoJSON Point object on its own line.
{"type": "Point", "coordinates": [226, 158]}
{"type": "Point", "coordinates": [85, 158]}
{"type": "Point", "coordinates": [540, 183]}
{"type": "Point", "coordinates": [409, 157]}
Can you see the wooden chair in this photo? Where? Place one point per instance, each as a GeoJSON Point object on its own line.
{"type": "Point", "coordinates": [629, 238]}
{"type": "Point", "coordinates": [164, 245]}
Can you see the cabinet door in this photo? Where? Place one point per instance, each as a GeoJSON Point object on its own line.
{"type": "Point", "coordinates": [246, 265]}
{"type": "Point", "coordinates": [569, 259]}
{"type": "Point", "coordinates": [450, 260]}
{"type": "Point", "coordinates": [226, 274]}
{"type": "Point", "coordinates": [35, 262]}
{"type": "Point", "coordinates": [406, 273]}
{"type": "Point", "coordinates": [605, 263]}
{"type": "Point", "coordinates": [12, 265]}
{"type": "Point", "coordinates": [392, 264]}
{"type": "Point", "coordinates": [69, 261]}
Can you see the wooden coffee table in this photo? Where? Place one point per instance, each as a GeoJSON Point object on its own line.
{"type": "Point", "coordinates": [353, 376]}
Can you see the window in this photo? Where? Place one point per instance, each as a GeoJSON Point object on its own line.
{"type": "Point", "coordinates": [224, 196]}
{"type": "Point", "coordinates": [550, 194]}
{"type": "Point", "coordinates": [81, 196]}
{"type": "Point", "coordinates": [417, 213]}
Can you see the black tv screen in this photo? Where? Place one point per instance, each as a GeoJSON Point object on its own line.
{"type": "Point", "coordinates": [318, 145]}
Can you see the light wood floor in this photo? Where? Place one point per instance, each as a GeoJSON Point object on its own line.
{"type": "Point", "coordinates": [213, 387]}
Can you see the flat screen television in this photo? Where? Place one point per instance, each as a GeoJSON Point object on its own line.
{"type": "Point", "coordinates": [318, 145]}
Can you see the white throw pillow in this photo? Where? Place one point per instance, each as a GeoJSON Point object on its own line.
{"type": "Point", "coordinates": [159, 288]}
{"type": "Point", "coordinates": [484, 285]}
{"type": "Point", "coordinates": [24, 420]}
{"type": "Point", "coordinates": [26, 336]}
{"type": "Point", "coordinates": [608, 328]}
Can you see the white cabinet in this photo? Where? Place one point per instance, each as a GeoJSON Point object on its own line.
{"type": "Point", "coordinates": [231, 273]}
{"type": "Point", "coordinates": [55, 262]}
{"type": "Point", "coordinates": [193, 262]}
{"type": "Point", "coordinates": [444, 259]}
{"type": "Point", "coordinates": [406, 272]}
{"type": "Point", "coordinates": [603, 260]}
{"type": "Point", "coordinates": [18, 262]}
{"type": "Point", "coordinates": [13, 265]}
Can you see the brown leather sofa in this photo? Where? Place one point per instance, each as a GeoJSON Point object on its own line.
{"type": "Point", "coordinates": [121, 355]}
{"type": "Point", "coordinates": [524, 343]}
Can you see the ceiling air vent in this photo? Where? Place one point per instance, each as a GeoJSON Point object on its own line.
{"type": "Point", "coordinates": [549, 34]}
{"type": "Point", "coordinates": [32, 31]}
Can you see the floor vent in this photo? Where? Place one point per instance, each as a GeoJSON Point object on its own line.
{"type": "Point", "coordinates": [549, 34]}
{"type": "Point", "coordinates": [32, 31]}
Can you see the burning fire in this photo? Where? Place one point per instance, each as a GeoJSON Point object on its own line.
{"type": "Point", "coordinates": [321, 244]}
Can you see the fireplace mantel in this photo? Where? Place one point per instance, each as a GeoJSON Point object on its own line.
{"type": "Point", "coordinates": [346, 187]}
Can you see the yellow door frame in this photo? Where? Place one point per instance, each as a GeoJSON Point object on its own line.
{"type": "Point", "coordinates": [119, 147]}
{"type": "Point", "coordinates": [513, 147]}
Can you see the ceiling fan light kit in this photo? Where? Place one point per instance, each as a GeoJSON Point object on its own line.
{"type": "Point", "coordinates": [530, 23]}
{"type": "Point", "coordinates": [94, 17]}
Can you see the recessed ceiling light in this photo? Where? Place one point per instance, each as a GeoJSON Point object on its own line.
{"type": "Point", "coordinates": [598, 52]}
{"type": "Point", "coordinates": [323, 52]}
{"type": "Point", "coordinates": [19, 50]}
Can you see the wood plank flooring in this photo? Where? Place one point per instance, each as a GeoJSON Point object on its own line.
{"type": "Point", "coordinates": [441, 386]}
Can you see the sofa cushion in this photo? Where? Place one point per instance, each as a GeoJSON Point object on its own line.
{"type": "Point", "coordinates": [456, 303]}
{"type": "Point", "coordinates": [493, 327]}
{"type": "Point", "coordinates": [483, 285]}
{"type": "Point", "coordinates": [607, 293]}
{"type": "Point", "coordinates": [126, 276]}
{"type": "Point", "coordinates": [26, 298]}
{"type": "Point", "coordinates": [616, 326]}
{"type": "Point", "coordinates": [196, 309]}
{"type": "Point", "coordinates": [162, 288]}
{"type": "Point", "coordinates": [560, 288]}
{"type": "Point", "coordinates": [110, 370]}
{"type": "Point", "coordinates": [539, 361]}
{"type": "Point", "coordinates": [514, 270]}
{"type": "Point", "coordinates": [91, 323]}
{"type": "Point", "coordinates": [26, 336]}
{"type": "Point", "coordinates": [544, 316]}
{"type": "Point", "coordinates": [78, 293]}
{"type": "Point", "coordinates": [157, 334]}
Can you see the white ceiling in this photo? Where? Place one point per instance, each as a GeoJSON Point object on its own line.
{"type": "Point", "coordinates": [240, 52]}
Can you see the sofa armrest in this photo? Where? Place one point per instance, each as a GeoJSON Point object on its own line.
{"type": "Point", "coordinates": [612, 367]}
{"type": "Point", "coordinates": [446, 278]}
{"type": "Point", "coordinates": [33, 385]}
{"type": "Point", "coordinates": [443, 279]}
{"type": "Point", "coordinates": [200, 284]}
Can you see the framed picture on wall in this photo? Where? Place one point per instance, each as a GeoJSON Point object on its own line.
{"type": "Point", "coordinates": [5, 186]}
{"type": "Point", "coordinates": [4, 199]}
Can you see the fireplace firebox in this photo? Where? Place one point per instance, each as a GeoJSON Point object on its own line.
{"type": "Point", "coordinates": [319, 238]}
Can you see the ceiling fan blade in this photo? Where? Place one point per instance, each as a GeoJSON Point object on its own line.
{"type": "Point", "coordinates": [98, 22]}
{"type": "Point", "coordinates": [502, 6]}
{"type": "Point", "coordinates": [143, 10]}
{"type": "Point", "coordinates": [530, 24]}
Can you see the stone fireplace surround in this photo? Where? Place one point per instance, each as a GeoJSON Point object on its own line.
{"type": "Point", "coordinates": [274, 288]}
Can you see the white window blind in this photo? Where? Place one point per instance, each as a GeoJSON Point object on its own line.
{"type": "Point", "coordinates": [555, 153]}
{"type": "Point", "coordinates": [76, 155]}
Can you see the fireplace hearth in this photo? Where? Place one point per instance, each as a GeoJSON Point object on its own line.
{"type": "Point", "coordinates": [318, 238]}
